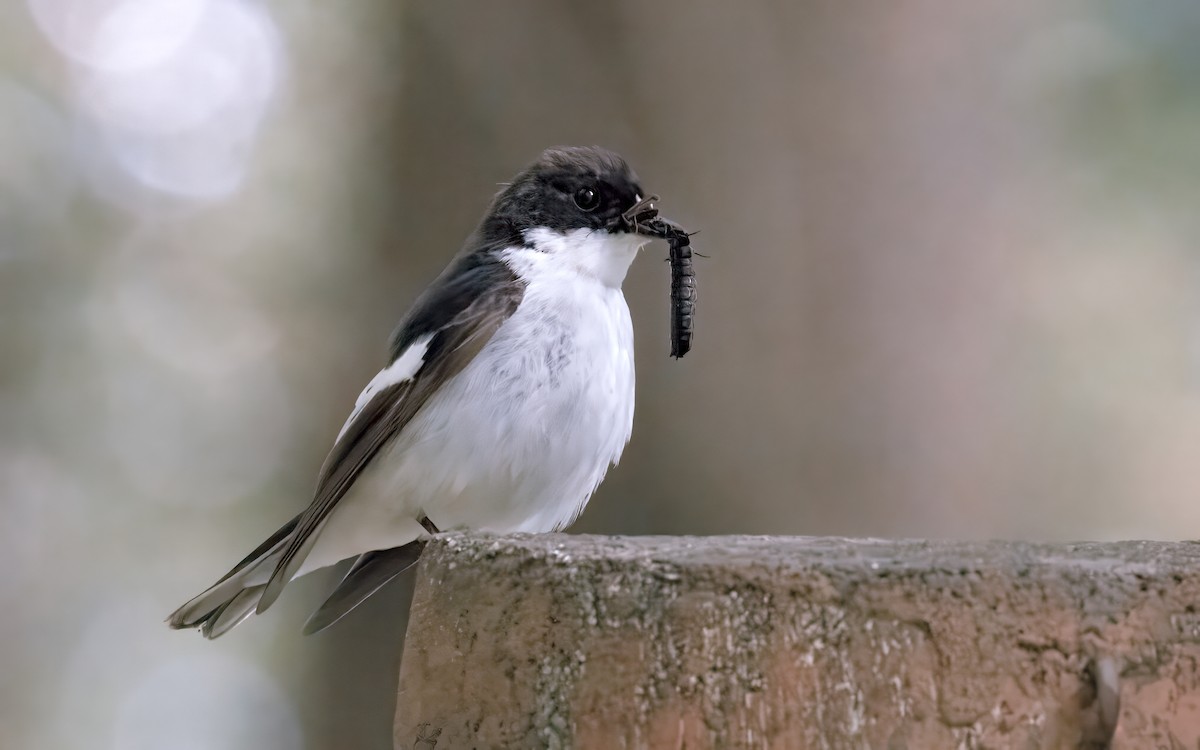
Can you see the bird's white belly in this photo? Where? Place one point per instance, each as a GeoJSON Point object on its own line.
{"type": "Point", "coordinates": [519, 439]}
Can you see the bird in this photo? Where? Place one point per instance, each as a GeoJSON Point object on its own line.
{"type": "Point", "coordinates": [507, 394]}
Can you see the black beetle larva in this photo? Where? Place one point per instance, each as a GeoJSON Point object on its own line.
{"type": "Point", "coordinates": [683, 292]}
{"type": "Point", "coordinates": [643, 218]}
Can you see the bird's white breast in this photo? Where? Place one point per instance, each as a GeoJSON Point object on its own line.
{"type": "Point", "coordinates": [519, 439]}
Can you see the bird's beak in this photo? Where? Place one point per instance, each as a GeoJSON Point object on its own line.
{"type": "Point", "coordinates": [637, 215]}
{"type": "Point", "coordinates": [642, 218]}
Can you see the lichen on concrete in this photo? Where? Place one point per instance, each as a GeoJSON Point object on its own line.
{"type": "Point", "coordinates": [577, 641]}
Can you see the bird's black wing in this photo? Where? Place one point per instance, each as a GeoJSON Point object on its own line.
{"type": "Point", "coordinates": [461, 312]}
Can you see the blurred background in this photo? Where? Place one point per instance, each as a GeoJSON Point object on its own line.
{"type": "Point", "coordinates": [953, 291]}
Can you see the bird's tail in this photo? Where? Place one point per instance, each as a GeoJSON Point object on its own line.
{"type": "Point", "coordinates": [235, 597]}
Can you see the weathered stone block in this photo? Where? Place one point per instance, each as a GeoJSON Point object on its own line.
{"type": "Point", "coordinates": [730, 642]}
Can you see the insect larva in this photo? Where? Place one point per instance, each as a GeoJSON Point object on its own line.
{"type": "Point", "coordinates": [643, 217]}
{"type": "Point", "coordinates": [683, 292]}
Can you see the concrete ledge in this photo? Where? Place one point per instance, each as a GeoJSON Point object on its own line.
{"type": "Point", "coordinates": [722, 642]}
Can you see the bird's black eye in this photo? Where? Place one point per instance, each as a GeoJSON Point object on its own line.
{"type": "Point", "coordinates": [587, 198]}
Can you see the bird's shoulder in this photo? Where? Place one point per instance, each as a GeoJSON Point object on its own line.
{"type": "Point", "coordinates": [476, 274]}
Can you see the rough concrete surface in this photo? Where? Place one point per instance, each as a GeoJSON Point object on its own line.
{"type": "Point", "coordinates": [727, 642]}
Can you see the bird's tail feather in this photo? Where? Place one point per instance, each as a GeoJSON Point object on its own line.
{"type": "Point", "coordinates": [368, 574]}
{"type": "Point", "coordinates": [235, 597]}
{"type": "Point", "coordinates": [223, 619]}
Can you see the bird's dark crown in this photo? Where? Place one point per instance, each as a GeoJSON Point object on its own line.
{"type": "Point", "coordinates": [568, 187]}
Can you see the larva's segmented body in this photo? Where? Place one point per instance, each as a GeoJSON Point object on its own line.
{"type": "Point", "coordinates": [683, 293]}
{"type": "Point", "coordinates": [643, 218]}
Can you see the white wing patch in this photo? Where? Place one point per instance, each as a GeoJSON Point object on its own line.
{"type": "Point", "coordinates": [405, 366]}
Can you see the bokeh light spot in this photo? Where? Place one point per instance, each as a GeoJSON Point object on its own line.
{"type": "Point", "coordinates": [176, 89]}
